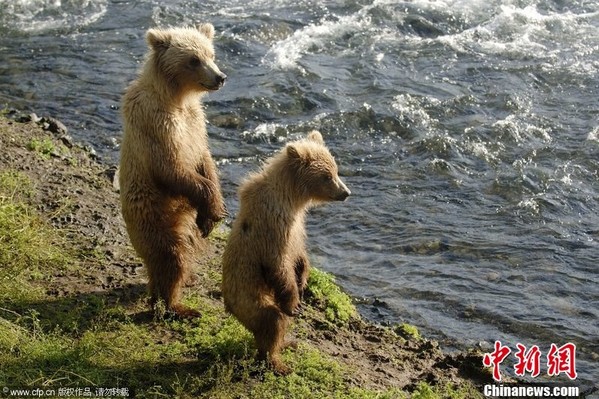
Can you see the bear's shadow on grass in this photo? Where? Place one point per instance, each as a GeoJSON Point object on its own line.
{"type": "Point", "coordinates": [77, 312]}
{"type": "Point", "coordinates": [146, 379]}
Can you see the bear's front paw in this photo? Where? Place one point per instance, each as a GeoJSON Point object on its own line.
{"type": "Point", "coordinates": [205, 225]}
{"type": "Point", "coordinates": [207, 222]}
{"type": "Point", "coordinates": [218, 212]}
{"type": "Point", "coordinates": [294, 311]}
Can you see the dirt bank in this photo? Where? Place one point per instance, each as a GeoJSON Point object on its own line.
{"type": "Point", "coordinates": [74, 193]}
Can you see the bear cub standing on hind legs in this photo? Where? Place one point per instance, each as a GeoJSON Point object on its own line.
{"type": "Point", "coordinates": [170, 191]}
{"type": "Point", "coordinates": [265, 264]}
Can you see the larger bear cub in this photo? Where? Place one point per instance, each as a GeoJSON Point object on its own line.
{"type": "Point", "coordinates": [265, 264]}
{"type": "Point", "coordinates": [170, 191]}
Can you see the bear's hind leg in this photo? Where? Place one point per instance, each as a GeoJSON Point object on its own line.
{"type": "Point", "coordinates": [270, 335]}
{"type": "Point", "coordinates": [167, 274]}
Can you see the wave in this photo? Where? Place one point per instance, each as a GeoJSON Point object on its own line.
{"type": "Point", "coordinates": [593, 135]}
{"type": "Point", "coordinates": [286, 53]}
{"type": "Point", "coordinates": [556, 38]}
{"type": "Point", "coordinates": [45, 15]}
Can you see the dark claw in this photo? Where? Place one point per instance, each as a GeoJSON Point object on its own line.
{"type": "Point", "coordinates": [298, 311]}
{"type": "Point", "coordinates": [205, 226]}
{"type": "Point", "coordinates": [295, 312]}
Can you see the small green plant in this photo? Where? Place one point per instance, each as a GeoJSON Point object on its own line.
{"type": "Point", "coordinates": [338, 306]}
{"type": "Point", "coordinates": [44, 147]}
{"type": "Point", "coordinates": [408, 330]}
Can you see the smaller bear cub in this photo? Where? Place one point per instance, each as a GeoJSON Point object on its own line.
{"type": "Point", "coordinates": [265, 263]}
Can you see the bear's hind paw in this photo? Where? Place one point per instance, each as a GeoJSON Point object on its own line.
{"type": "Point", "coordinates": [281, 369]}
{"type": "Point", "coordinates": [183, 312]}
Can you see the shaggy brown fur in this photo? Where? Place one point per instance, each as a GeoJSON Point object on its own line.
{"type": "Point", "coordinates": [265, 264]}
{"type": "Point", "coordinates": [170, 191]}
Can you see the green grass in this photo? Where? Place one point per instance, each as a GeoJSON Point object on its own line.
{"type": "Point", "coordinates": [29, 249]}
{"type": "Point", "coordinates": [85, 340]}
{"type": "Point", "coordinates": [447, 391]}
{"type": "Point", "coordinates": [337, 305]}
{"type": "Point", "coordinates": [408, 330]}
{"type": "Point", "coordinates": [81, 340]}
{"type": "Point", "coordinates": [45, 147]}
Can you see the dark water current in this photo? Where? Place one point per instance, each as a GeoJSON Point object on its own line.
{"type": "Point", "coordinates": [468, 132]}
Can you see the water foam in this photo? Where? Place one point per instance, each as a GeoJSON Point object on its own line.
{"type": "Point", "coordinates": [411, 109]}
{"type": "Point", "coordinates": [265, 132]}
{"type": "Point", "coordinates": [43, 15]}
{"type": "Point", "coordinates": [286, 53]}
{"type": "Point", "coordinates": [594, 135]}
{"type": "Point", "coordinates": [481, 150]}
{"type": "Point", "coordinates": [530, 204]}
{"type": "Point", "coordinates": [524, 33]}
{"type": "Point", "coordinates": [521, 131]}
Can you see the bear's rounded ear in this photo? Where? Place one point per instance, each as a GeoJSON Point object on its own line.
{"type": "Point", "coordinates": [158, 38]}
{"type": "Point", "coordinates": [207, 30]}
{"type": "Point", "coordinates": [315, 136]}
{"type": "Point", "coordinates": [292, 152]}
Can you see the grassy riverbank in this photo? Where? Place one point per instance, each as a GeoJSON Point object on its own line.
{"type": "Point", "coordinates": [74, 314]}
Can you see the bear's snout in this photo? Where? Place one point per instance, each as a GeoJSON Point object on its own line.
{"type": "Point", "coordinates": [342, 196]}
{"type": "Point", "coordinates": [343, 191]}
{"type": "Point", "coordinates": [220, 79]}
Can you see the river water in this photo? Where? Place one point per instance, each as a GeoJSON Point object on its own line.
{"type": "Point", "coordinates": [467, 130]}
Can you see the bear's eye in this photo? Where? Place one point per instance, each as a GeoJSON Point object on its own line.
{"type": "Point", "coordinates": [327, 178]}
{"type": "Point", "coordinates": [195, 62]}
